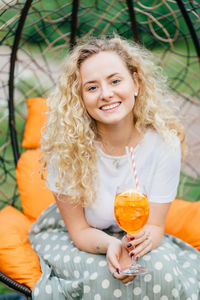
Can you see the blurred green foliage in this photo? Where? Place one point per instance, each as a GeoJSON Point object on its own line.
{"type": "Point", "coordinates": [39, 27]}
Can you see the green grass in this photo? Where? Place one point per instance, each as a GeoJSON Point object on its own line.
{"type": "Point", "coordinates": [188, 188]}
{"type": "Point", "coordinates": [181, 78]}
{"type": "Point", "coordinates": [4, 290]}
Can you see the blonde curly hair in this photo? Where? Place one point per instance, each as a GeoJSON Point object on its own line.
{"type": "Point", "coordinates": [70, 136]}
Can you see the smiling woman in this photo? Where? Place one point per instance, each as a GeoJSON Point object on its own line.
{"type": "Point", "coordinates": [110, 96]}
{"type": "Point", "coordinates": [108, 92]}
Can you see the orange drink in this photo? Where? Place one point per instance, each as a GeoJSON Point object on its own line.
{"type": "Point", "coordinates": [131, 210]}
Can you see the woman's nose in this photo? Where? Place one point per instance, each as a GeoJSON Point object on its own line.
{"type": "Point", "coordinates": [106, 92]}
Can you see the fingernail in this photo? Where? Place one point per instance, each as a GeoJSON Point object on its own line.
{"type": "Point", "coordinates": [129, 245]}
{"type": "Point", "coordinates": [117, 270]}
{"type": "Point", "coordinates": [132, 238]}
{"type": "Point", "coordinates": [136, 257]}
{"type": "Point", "coordinates": [132, 254]}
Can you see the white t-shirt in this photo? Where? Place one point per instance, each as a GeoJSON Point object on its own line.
{"type": "Point", "coordinates": [158, 168]}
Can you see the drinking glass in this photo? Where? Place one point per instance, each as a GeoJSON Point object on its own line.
{"type": "Point", "coordinates": [131, 213]}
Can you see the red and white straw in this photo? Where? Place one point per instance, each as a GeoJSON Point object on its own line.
{"type": "Point", "coordinates": [131, 152]}
{"type": "Point", "coordinates": [134, 168]}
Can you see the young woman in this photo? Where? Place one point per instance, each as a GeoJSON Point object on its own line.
{"type": "Point", "coordinates": [109, 96]}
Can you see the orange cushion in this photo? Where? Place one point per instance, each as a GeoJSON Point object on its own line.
{"type": "Point", "coordinates": [17, 259]}
{"type": "Point", "coordinates": [35, 196]}
{"type": "Point", "coordinates": [183, 221]}
{"type": "Point", "coordinates": [37, 117]}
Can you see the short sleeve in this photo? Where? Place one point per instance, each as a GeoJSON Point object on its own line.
{"type": "Point", "coordinates": [166, 177]}
{"type": "Point", "coordinates": [52, 173]}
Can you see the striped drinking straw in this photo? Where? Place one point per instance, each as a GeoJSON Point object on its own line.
{"type": "Point", "coordinates": [134, 168]}
{"type": "Point", "coordinates": [131, 152]}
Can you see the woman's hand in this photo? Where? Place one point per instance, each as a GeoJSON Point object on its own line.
{"type": "Point", "coordinates": [138, 244]}
{"type": "Point", "coordinates": [150, 237]}
{"type": "Point", "coordinates": [118, 259]}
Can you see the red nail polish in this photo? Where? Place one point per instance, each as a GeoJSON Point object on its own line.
{"type": "Point", "coordinates": [117, 270]}
{"type": "Point", "coordinates": [132, 238]}
{"type": "Point", "coordinates": [132, 254]}
{"type": "Point", "coordinates": [129, 245]}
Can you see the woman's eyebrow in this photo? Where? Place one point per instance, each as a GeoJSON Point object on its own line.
{"type": "Point", "coordinates": [113, 75]}
{"type": "Point", "coordinates": [93, 81]}
{"type": "Point", "coordinates": [88, 82]}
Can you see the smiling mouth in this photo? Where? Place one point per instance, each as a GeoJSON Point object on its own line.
{"type": "Point", "coordinates": [111, 106]}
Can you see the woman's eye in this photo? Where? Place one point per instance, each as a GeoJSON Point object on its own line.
{"type": "Point", "coordinates": [115, 81]}
{"type": "Point", "coordinates": [92, 88]}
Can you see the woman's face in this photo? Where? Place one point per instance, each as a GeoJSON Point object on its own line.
{"type": "Point", "coordinates": [108, 88]}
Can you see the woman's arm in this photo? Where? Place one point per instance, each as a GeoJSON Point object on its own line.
{"type": "Point", "coordinates": [85, 238]}
{"type": "Point", "coordinates": [156, 222]}
{"type": "Point", "coordinates": [93, 240]}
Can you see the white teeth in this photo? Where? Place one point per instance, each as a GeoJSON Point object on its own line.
{"type": "Point", "coordinates": [110, 106]}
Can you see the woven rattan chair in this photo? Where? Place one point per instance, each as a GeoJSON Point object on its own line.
{"type": "Point", "coordinates": [36, 34]}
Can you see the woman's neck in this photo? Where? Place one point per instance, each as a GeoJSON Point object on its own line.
{"type": "Point", "coordinates": [115, 138]}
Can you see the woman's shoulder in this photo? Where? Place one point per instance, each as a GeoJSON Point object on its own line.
{"type": "Point", "coordinates": [170, 137]}
{"type": "Point", "coordinates": [166, 144]}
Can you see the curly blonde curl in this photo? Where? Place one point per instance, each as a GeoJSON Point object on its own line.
{"type": "Point", "coordinates": [70, 136]}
